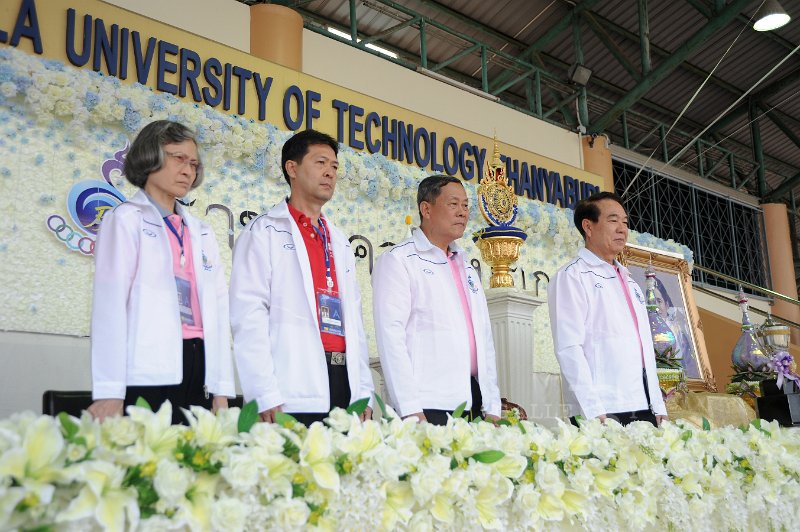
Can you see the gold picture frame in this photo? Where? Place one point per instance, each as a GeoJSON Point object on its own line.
{"type": "Point", "coordinates": [676, 302]}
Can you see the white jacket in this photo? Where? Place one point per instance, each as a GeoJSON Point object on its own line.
{"type": "Point", "coordinates": [419, 325]}
{"type": "Point", "coordinates": [595, 340]}
{"type": "Point", "coordinates": [276, 335]}
{"type": "Point", "coordinates": [137, 338]}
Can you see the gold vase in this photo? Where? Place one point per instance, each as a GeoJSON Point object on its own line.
{"type": "Point", "coordinates": [500, 252]}
{"type": "Point", "coordinates": [668, 378]}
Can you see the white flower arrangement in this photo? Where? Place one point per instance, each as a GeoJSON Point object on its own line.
{"type": "Point", "coordinates": [229, 472]}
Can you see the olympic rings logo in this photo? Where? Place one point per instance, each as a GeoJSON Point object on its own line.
{"type": "Point", "coordinates": [71, 238]}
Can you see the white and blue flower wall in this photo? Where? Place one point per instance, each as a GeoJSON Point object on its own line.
{"type": "Point", "coordinates": [65, 132]}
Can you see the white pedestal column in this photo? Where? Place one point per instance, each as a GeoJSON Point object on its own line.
{"type": "Point", "coordinates": [511, 314]}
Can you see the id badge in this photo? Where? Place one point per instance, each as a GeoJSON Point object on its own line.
{"type": "Point", "coordinates": [330, 313]}
{"type": "Point", "coordinates": [185, 300]}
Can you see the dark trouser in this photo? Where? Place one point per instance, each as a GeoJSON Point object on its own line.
{"type": "Point", "coordinates": [189, 392]}
{"type": "Point", "coordinates": [340, 395]}
{"type": "Point", "coordinates": [625, 418]}
{"type": "Point", "coordinates": [439, 417]}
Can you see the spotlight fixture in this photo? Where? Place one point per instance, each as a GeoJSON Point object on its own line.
{"type": "Point", "coordinates": [770, 16]}
{"type": "Point", "coordinates": [579, 74]}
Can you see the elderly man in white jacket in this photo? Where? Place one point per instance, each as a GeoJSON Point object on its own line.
{"type": "Point", "coordinates": [295, 303]}
{"type": "Point", "coordinates": [600, 326]}
{"type": "Point", "coordinates": [431, 318]}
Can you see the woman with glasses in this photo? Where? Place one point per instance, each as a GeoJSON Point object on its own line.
{"type": "Point", "coordinates": [160, 326]}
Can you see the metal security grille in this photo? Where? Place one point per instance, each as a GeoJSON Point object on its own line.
{"type": "Point", "coordinates": [725, 235]}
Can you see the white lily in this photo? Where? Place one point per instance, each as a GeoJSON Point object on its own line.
{"type": "Point", "coordinates": [399, 502]}
{"type": "Point", "coordinates": [40, 455]}
{"type": "Point", "coordinates": [489, 498]}
{"type": "Point", "coordinates": [159, 435]}
{"type": "Point", "coordinates": [213, 430]}
{"type": "Point", "coordinates": [316, 454]}
{"type": "Point", "coordinates": [102, 497]}
{"type": "Point", "coordinates": [361, 438]}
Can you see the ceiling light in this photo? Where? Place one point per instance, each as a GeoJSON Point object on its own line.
{"type": "Point", "coordinates": [770, 16]}
{"type": "Point", "coordinates": [343, 35]}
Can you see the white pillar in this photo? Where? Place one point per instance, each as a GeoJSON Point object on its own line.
{"type": "Point", "coordinates": [511, 314]}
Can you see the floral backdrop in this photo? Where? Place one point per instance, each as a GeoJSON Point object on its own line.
{"type": "Point", "coordinates": [63, 136]}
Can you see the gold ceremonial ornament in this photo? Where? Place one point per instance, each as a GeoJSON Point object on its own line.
{"type": "Point", "coordinates": [500, 252]}
{"type": "Point", "coordinates": [500, 243]}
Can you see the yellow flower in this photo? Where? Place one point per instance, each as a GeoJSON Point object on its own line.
{"type": "Point", "coordinates": [148, 469]}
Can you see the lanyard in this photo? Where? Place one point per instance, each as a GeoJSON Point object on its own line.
{"type": "Point", "coordinates": [324, 237]}
{"type": "Point", "coordinates": [179, 237]}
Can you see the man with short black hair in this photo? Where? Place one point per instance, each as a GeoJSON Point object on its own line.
{"type": "Point", "coordinates": [431, 319]}
{"type": "Point", "coordinates": [295, 302]}
{"type": "Point", "coordinates": [600, 326]}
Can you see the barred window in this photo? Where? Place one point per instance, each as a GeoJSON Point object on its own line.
{"type": "Point", "coordinates": [725, 235]}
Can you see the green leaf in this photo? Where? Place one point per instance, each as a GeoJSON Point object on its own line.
{"type": "Point", "coordinates": [488, 457]}
{"type": "Point", "coordinates": [384, 412]}
{"type": "Point", "coordinates": [359, 406]}
{"type": "Point", "coordinates": [298, 490]}
{"type": "Point", "coordinates": [459, 411]}
{"type": "Point", "coordinates": [453, 463]}
{"type": "Point", "coordinates": [141, 402]}
{"type": "Point", "coordinates": [248, 416]}
{"type": "Point", "coordinates": [686, 435]}
{"type": "Point", "coordinates": [285, 420]}
{"type": "Point", "coordinates": [706, 424]}
{"type": "Point", "coordinates": [521, 428]}
{"type": "Point", "coordinates": [69, 426]}
{"type": "Point", "coordinates": [579, 420]}
{"type": "Point", "coordinates": [756, 423]}
{"type": "Point", "coordinates": [504, 422]}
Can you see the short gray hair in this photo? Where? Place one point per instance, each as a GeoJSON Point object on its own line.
{"type": "Point", "coordinates": [431, 187]}
{"type": "Point", "coordinates": [146, 154]}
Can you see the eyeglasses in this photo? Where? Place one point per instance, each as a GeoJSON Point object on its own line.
{"type": "Point", "coordinates": [183, 159]}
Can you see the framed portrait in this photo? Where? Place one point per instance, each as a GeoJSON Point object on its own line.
{"type": "Point", "coordinates": [677, 307]}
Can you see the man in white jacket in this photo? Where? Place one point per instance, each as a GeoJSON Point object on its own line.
{"type": "Point", "coordinates": [295, 305]}
{"type": "Point", "coordinates": [600, 326]}
{"type": "Point", "coordinates": [431, 318]}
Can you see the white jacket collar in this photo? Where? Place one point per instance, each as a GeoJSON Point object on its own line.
{"type": "Point", "coordinates": [281, 210]}
{"type": "Point", "coordinates": [594, 260]}
{"type": "Point", "coordinates": [423, 244]}
{"type": "Point", "coordinates": [141, 200]}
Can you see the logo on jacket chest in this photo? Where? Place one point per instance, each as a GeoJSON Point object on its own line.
{"type": "Point", "coordinates": [471, 284]}
{"type": "Point", "coordinates": [639, 296]}
{"type": "Point", "coordinates": [207, 266]}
